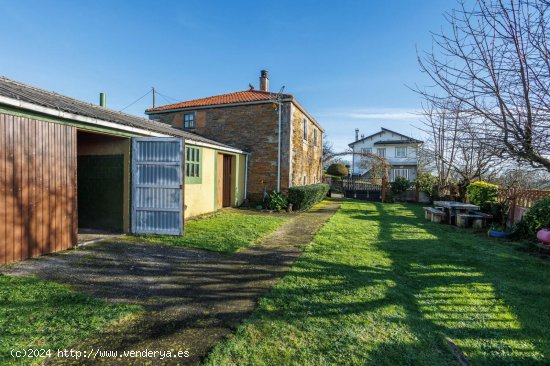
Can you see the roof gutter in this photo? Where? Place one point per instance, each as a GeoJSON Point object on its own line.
{"type": "Point", "coordinates": [76, 117]}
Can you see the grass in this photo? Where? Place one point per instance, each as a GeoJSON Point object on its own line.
{"type": "Point", "coordinates": [381, 286]}
{"type": "Point", "coordinates": [47, 315]}
{"type": "Point", "coordinates": [225, 232]}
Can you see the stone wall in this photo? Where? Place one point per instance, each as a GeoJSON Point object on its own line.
{"type": "Point", "coordinates": [253, 128]}
{"type": "Point", "coordinates": [306, 156]}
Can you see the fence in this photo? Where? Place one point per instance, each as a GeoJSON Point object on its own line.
{"type": "Point", "coordinates": [521, 201]}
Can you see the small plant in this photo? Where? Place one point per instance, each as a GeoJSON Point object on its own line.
{"type": "Point", "coordinates": [276, 201]}
{"type": "Point", "coordinates": [482, 194]}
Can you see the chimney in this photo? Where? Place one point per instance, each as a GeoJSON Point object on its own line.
{"type": "Point", "coordinates": [356, 134]}
{"type": "Point", "coordinates": [102, 100]}
{"type": "Point", "coordinates": [264, 81]}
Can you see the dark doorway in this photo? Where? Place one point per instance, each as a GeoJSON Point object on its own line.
{"type": "Point", "coordinates": [100, 192]}
{"type": "Point", "coordinates": [226, 180]}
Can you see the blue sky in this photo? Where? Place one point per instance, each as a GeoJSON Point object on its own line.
{"type": "Point", "coordinates": [348, 62]}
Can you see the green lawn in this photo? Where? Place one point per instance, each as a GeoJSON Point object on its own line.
{"type": "Point", "coordinates": [382, 286]}
{"type": "Point", "coordinates": [47, 315]}
{"type": "Point", "coordinates": [226, 231]}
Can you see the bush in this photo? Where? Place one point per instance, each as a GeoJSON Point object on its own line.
{"type": "Point", "coordinates": [535, 219]}
{"type": "Point", "coordinates": [427, 183]}
{"type": "Point", "coordinates": [276, 201]}
{"type": "Point", "coordinates": [482, 194]}
{"type": "Point", "coordinates": [400, 184]}
{"type": "Point", "coordinates": [303, 197]}
{"type": "Point", "coordinates": [338, 170]}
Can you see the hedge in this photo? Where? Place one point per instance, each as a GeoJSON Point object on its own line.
{"type": "Point", "coordinates": [304, 197]}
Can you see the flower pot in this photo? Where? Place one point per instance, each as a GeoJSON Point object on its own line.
{"type": "Point", "coordinates": [544, 236]}
{"type": "Point", "coordinates": [499, 234]}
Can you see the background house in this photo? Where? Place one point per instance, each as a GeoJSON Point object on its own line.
{"type": "Point", "coordinates": [67, 165]}
{"type": "Point", "coordinates": [249, 120]}
{"type": "Point", "coordinates": [399, 150]}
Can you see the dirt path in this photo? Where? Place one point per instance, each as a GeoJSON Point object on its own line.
{"type": "Point", "coordinates": [192, 298]}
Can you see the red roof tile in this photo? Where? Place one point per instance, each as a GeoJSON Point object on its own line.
{"type": "Point", "coordinates": [237, 97]}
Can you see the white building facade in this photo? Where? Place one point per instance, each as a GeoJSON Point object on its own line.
{"type": "Point", "coordinates": [399, 150]}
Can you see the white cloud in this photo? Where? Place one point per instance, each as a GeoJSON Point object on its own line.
{"type": "Point", "coordinates": [393, 114]}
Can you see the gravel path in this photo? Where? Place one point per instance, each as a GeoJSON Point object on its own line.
{"type": "Point", "coordinates": [192, 298]}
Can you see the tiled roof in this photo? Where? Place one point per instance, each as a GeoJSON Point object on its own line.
{"type": "Point", "coordinates": [30, 94]}
{"type": "Point", "coordinates": [231, 98]}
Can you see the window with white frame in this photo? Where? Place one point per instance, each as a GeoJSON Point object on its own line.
{"type": "Point", "coordinates": [189, 120]}
{"type": "Point", "coordinates": [381, 151]}
{"type": "Point", "coordinates": [314, 137]}
{"type": "Point", "coordinates": [400, 152]}
{"type": "Point", "coordinates": [366, 150]}
{"type": "Point", "coordinates": [305, 128]}
{"type": "Point", "coordinates": [400, 173]}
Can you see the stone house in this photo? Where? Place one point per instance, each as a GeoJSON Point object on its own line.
{"type": "Point", "coordinates": [280, 157]}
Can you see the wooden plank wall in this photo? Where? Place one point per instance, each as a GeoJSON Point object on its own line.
{"type": "Point", "coordinates": [38, 212]}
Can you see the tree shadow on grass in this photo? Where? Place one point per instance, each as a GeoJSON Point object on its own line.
{"type": "Point", "coordinates": [430, 294]}
{"type": "Point", "coordinates": [475, 291]}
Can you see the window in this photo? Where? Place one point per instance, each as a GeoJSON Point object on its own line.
{"type": "Point", "coordinates": [314, 137]}
{"type": "Point", "coordinates": [192, 164]}
{"type": "Point", "coordinates": [381, 151]}
{"type": "Point", "coordinates": [305, 129]}
{"type": "Point", "coordinates": [400, 152]}
{"type": "Point", "coordinates": [400, 173]}
{"type": "Point", "coordinates": [366, 150]}
{"type": "Point", "coordinates": [189, 120]}
{"type": "Point", "coordinates": [304, 181]}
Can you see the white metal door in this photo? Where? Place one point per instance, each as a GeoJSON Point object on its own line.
{"type": "Point", "coordinates": [157, 181]}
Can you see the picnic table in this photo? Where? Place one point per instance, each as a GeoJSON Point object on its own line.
{"type": "Point", "coordinates": [456, 208]}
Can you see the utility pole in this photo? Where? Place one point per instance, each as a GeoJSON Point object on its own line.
{"type": "Point", "coordinates": [153, 96]}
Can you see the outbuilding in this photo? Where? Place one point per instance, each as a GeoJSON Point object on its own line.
{"type": "Point", "coordinates": [67, 165]}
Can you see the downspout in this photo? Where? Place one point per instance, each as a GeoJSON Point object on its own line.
{"type": "Point", "coordinates": [279, 147]}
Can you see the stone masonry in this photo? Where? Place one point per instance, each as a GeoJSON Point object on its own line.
{"type": "Point", "coordinates": [253, 128]}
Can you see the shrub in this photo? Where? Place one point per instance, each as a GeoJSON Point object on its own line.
{"type": "Point", "coordinates": [482, 194]}
{"type": "Point", "coordinates": [535, 219]}
{"type": "Point", "coordinates": [427, 183]}
{"type": "Point", "coordinates": [276, 201]}
{"type": "Point", "coordinates": [339, 170]}
{"type": "Point", "coordinates": [400, 184]}
{"type": "Point", "coordinates": [303, 197]}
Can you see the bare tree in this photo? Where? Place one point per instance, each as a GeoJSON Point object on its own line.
{"type": "Point", "coordinates": [495, 62]}
{"type": "Point", "coordinates": [455, 148]}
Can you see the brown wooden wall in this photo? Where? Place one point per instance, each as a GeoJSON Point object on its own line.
{"type": "Point", "coordinates": [38, 212]}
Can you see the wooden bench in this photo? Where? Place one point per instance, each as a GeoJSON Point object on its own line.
{"type": "Point", "coordinates": [462, 220]}
{"type": "Point", "coordinates": [434, 214]}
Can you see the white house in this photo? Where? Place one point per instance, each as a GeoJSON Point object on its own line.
{"type": "Point", "coordinates": [399, 150]}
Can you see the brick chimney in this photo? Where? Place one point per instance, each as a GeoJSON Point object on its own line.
{"type": "Point", "coordinates": [264, 81]}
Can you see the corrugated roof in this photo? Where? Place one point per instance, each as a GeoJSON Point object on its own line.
{"type": "Point", "coordinates": [30, 94]}
{"type": "Point", "coordinates": [244, 96]}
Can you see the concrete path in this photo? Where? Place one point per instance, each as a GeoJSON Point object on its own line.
{"type": "Point", "coordinates": [192, 298]}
